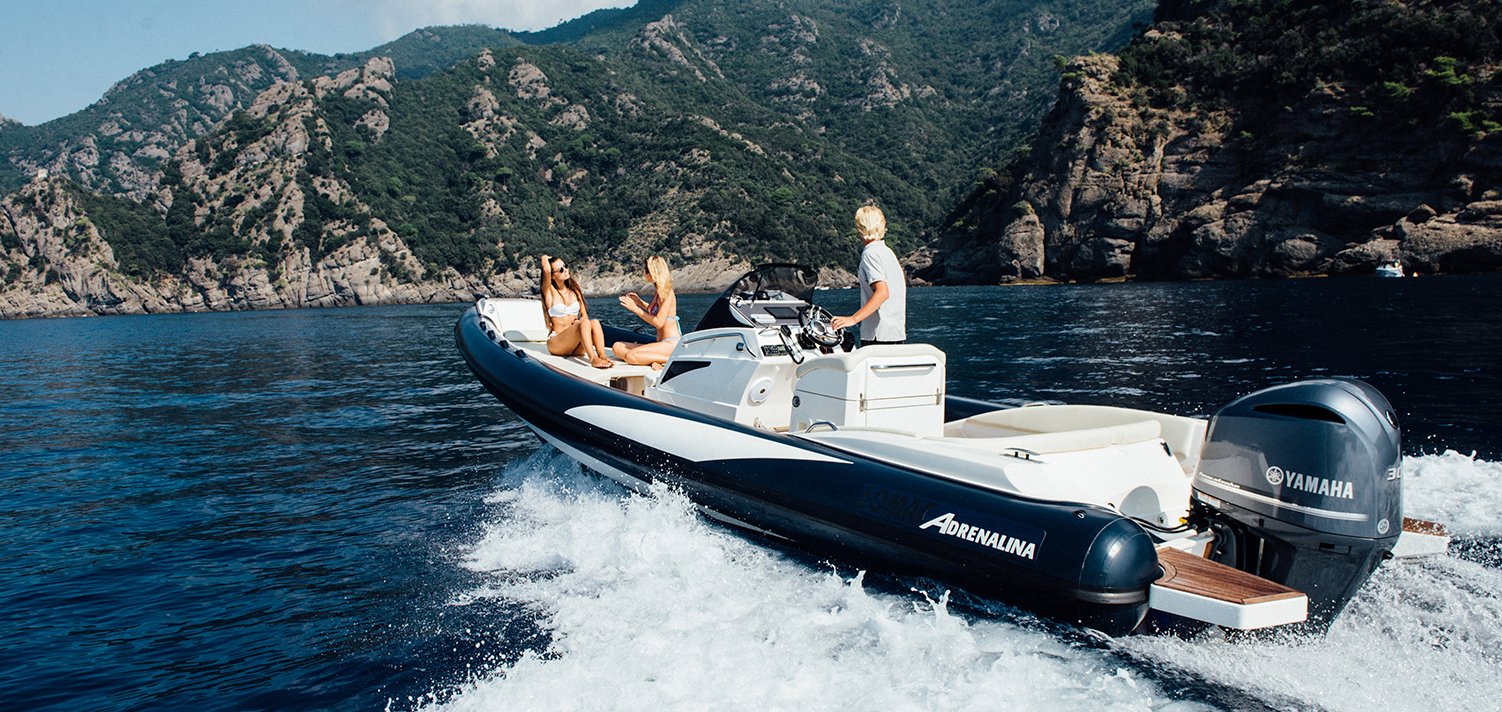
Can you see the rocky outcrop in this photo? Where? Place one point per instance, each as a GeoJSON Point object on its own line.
{"type": "Point", "coordinates": [883, 86]}
{"type": "Point", "coordinates": [529, 81]}
{"type": "Point", "coordinates": [717, 135]}
{"type": "Point", "coordinates": [666, 39]}
{"type": "Point", "coordinates": [55, 263]}
{"type": "Point", "coordinates": [1117, 187]}
{"type": "Point", "coordinates": [372, 82]}
{"type": "Point", "coordinates": [130, 136]}
{"type": "Point", "coordinates": [1467, 240]}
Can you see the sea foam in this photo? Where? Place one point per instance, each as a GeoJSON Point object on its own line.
{"type": "Point", "coordinates": [1422, 634]}
{"type": "Point", "coordinates": [1463, 493]}
{"type": "Point", "coordinates": [651, 606]}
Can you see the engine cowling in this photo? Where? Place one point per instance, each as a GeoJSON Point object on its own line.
{"type": "Point", "coordinates": [1303, 485]}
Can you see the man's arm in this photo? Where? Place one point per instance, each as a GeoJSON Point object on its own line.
{"type": "Point", "coordinates": [879, 294]}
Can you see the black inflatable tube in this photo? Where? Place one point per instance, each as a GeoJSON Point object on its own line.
{"type": "Point", "coordinates": [1076, 562]}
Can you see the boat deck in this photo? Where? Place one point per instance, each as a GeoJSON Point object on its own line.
{"type": "Point", "coordinates": [1421, 538]}
{"type": "Point", "coordinates": [1183, 571]}
{"type": "Point", "coordinates": [622, 376]}
{"type": "Point", "coordinates": [1210, 591]}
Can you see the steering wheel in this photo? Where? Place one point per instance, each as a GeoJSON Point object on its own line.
{"type": "Point", "coordinates": [815, 321]}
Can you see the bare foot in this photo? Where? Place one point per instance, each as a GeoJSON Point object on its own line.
{"type": "Point", "coordinates": [656, 367]}
{"type": "Point", "coordinates": [598, 362]}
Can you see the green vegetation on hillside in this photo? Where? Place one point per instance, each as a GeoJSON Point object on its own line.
{"type": "Point", "coordinates": [1401, 64]}
{"type": "Point", "coordinates": [148, 244]}
{"type": "Point", "coordinates": [748, 129]}
{"type": "Point", "coordinates": [136, 233]}
{"type": "Point", "coordinates": [428, 177]}
{"type": "Point", "coordinates": [183, 99]}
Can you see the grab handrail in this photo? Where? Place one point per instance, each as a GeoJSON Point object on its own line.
{"type": "Point", "coordinates": [816, 423]}
{"type": "Point", "coordinates": [896, 366]}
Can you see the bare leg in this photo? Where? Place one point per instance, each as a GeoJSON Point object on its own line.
{"type": "Point", "coordinates": [564, 343]}
{"type": "Point", "coordinates": [582, 350]}
{"type": "Point", "coordinates": [653, 354]}
{"type": "Point", "coordinates": [597, 339]}
{"type": "Point", "coordinates": [621, 348]}
{"type": "Point", "coordinates": [586, 349]}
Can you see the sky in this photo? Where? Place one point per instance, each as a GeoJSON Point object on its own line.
{"type": "Point", "coordinates": [59, 56]}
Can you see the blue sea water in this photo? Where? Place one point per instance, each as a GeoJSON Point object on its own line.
{"type": "Point", "coordinates": [320, 509]}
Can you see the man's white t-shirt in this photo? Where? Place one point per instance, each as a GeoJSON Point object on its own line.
{"type": "Point", "coordinates": [879, 264]}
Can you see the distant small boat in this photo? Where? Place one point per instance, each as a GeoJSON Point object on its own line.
{"type": "Point", "coordinates": [1390, 269]}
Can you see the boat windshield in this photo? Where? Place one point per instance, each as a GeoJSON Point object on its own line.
{"type": "Point", "coordinates": [769, 294]}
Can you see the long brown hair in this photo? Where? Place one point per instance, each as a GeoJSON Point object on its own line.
{"type": "Point", "coordinates": [572, 284]}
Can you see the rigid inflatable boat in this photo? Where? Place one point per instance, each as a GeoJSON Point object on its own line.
{"type": "Point", "coordinates": [1272, 512]}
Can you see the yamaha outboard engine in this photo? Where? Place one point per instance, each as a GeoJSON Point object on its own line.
{"type": "Point", "coordinates": [1304, 488]}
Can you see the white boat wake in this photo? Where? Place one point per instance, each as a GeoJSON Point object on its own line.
{"type": "Point", "coordinates": [1422, 635]}
{"type": "Point", "coordinates": [1459, 490]}
{"type": "Point", "coordinates": [649, 606]}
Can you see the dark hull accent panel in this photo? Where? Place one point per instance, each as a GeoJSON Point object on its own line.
{"type": "Point", "coordinates": [1075, 562]}
{"type": "Point", "coordinates": [613, 334]}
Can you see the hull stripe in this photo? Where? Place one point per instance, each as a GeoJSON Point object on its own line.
{"type": "Point", "coordinates": [689, 439]}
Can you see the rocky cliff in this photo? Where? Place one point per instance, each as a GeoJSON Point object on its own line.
{"type": "Point", "coordinates": [118, 144]}
{"type": "Point", "coordinates": [1209, 150]}
{"type": "Point", "coordinates": [55, 261]}
{"type": "Point", "coordinates": [717, 135]}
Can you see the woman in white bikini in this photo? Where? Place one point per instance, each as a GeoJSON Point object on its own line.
{"type": "Point", "coordinates": [571, 331]}
{"type": "Point", "coordinates": [662, 314]}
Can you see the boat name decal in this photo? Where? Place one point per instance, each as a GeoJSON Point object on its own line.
{"type": "Point", "coordinates": [1340, 489]}
{"type": "Point", "coordinates": [947, 524]}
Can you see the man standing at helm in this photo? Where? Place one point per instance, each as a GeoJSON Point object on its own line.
{"type": "Point", "coordinates": [883, 312]}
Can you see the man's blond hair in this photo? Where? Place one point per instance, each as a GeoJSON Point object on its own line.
{"type": "Point", "coordinates": [870, 223]}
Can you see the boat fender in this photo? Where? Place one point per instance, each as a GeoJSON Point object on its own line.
{"type": "Point", "coordinates": [1121, 557]}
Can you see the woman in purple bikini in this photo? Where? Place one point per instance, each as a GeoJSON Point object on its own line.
{"type": "Point", "coordinates": [661, 313]}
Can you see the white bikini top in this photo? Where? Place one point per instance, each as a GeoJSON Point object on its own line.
{"type": "Point", "coordinates": [559, 308]}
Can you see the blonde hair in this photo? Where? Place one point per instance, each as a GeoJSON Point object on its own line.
{"type": "Point", "coordinates": [870, 223]}
{"type": "Point", "coordinates": [657, 267]}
